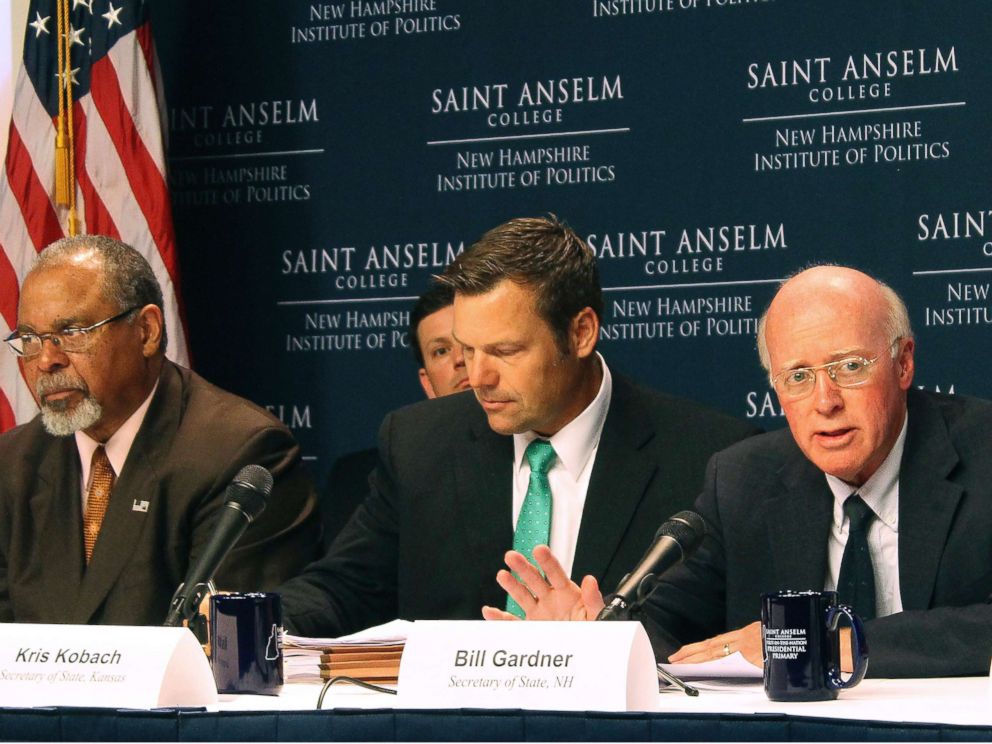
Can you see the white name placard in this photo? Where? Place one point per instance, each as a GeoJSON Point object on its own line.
{"type": "Point", "coordinates": [533, 665]}
{"type": "Point", "coordinates": [109, 666]}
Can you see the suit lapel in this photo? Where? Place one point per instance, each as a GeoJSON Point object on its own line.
{"type": "Point", "coordinates": [798, 521]}
{"type": "Point", "coordinates": [125, 526]}
{"type": "Point", "coordinates": [484, 493]}
{"type": "Point", "coordinates": [56, 504]}
{"type": "Point", "coordinates": [927, 501]}
{"type": "Point", "coordinates": [619, 479]}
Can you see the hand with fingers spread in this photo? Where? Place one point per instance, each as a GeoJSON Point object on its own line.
{"type": "Point", "coordinates": [553, 596]}
{"type": "Point", "coordinates": [747, 640]}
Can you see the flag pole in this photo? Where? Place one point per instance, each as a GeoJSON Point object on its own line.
{"type": "Point", "coordinates": [65, 151]}
{"type": "Point", "coordinates": [61, 149]}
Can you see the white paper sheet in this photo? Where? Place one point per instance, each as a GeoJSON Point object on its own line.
{"type": "Point", "coordinates": [734, 666]}
{"type": "Point", "coordinates": [388, 634]}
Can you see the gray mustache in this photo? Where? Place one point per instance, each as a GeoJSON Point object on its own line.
{"type": "Point", "coordinates": [60, 381]}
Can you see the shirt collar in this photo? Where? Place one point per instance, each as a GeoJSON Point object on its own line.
{"type": "Point", "coordinates": [881, 490]}
{"type": "Point", "coordinates": [578, 439]}
{"type": "Point", "coordinates": [119, 444]}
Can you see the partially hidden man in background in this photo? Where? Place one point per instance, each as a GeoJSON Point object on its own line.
{"type": "Point", "coordinates": [878, 490]}
{"type": "Point", "coordinates": [552, 446]}
{"type": "Point", "coordinates": [441, 371]}
{"type": "Point", "coordinates": [440, 361]}
{"type": "Point", "coordinates": [107, 496]}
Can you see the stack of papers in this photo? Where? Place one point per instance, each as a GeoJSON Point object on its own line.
{"type": "Point", "coordinates": [371, 655]}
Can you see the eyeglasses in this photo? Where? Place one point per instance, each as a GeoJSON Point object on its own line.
{"type": "Point", "coordinates": [71, 339]}
{"type": "Point", "coordinates": [849, 372]}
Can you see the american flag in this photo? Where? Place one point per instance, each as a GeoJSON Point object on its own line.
{"type": "Point", "coordinates": [119, 158]}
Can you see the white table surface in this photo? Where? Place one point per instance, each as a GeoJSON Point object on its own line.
{"type": "Point", "coordinates": [961, 701]}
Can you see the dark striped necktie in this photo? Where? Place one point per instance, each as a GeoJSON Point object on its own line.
{"type": "Point", "coordinates": [856, 585]}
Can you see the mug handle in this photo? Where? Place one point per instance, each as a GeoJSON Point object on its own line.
{"type": "Point", "coordinates": [859, 647]}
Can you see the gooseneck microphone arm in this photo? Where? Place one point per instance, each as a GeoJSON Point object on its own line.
{"type": "Point", "coordinates": [245, 501]}
{"type": "Point", "coordinates": [675, 541]}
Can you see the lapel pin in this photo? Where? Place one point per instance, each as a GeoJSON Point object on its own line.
{"type": "Point", "coordinates": [140, 506]}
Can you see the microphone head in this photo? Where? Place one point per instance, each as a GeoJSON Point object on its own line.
{"type": "Point", "coordinates": [249, 490]}
{"type": "Point", "coordinates": [686, 528]}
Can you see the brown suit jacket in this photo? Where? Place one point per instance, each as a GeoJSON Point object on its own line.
{"type": "Point", "coordinates": [194, 439]}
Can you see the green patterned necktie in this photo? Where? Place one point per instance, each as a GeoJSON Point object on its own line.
{"type": "Point", "coordinates": [534, 521]}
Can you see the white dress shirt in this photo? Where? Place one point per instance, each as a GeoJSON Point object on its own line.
{"type": "Point", "coordinates": [881, 493]}
{"type": "Point", "coordinates": [117, 447]}
{"type": "Point", "coordinates": [576, 445]}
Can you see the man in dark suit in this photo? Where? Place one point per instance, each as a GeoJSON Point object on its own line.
{"type": "Point", "coordinates": [866, 460]}
{"type": "Point", "coordinates": [455, 484]}
{"type": "Point", "coordinates": [109, 495]}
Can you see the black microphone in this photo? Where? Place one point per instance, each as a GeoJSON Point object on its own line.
{"type": "Point", "coordinates": [675, 541]}
{"type": "Point", "coordinates": [245, 500]}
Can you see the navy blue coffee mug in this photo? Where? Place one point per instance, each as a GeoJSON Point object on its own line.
{"type": "Point", "coordinates": [245, 647]}
{"type": "Point", "coordinates": [800, 643]}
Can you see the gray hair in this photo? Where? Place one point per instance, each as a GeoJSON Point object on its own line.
{"type": "Point", "coordinates": [128, 279]}
{"type": "Point", "coordinates": [896, 324]}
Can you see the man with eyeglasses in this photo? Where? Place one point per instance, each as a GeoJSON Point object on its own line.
{"type": "Point", "coordinates": [877, 490]}
{"type": "Point", "coordinates": [109, 495]}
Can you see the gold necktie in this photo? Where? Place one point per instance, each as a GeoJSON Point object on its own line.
{"type": "Point", "coordinates": [101, 482]}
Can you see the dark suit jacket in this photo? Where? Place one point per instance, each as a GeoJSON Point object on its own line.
{"type": "Point", "coordinates": [430, 537]}
{"type": "Point", "coordinates": [768, 510]}
{"type": "Point", "coordinates": [194, 439]}
{"type": "Point", "coordinates": [346, 488]}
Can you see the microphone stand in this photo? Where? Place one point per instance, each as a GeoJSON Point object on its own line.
{"type": "Point", "coordinates": [620, 609]}
{"type": "Point", "coordinates": [186, 607]}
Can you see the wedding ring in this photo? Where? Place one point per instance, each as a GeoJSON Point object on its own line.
{"type": "Point", "coordinates": [726, 649]}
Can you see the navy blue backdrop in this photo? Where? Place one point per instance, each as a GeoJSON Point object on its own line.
{"type": "Point", "coordinates": [327, 158]}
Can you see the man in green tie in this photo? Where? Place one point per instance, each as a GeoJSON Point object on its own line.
{"type": "Point", "coordinates": [551, 447]}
